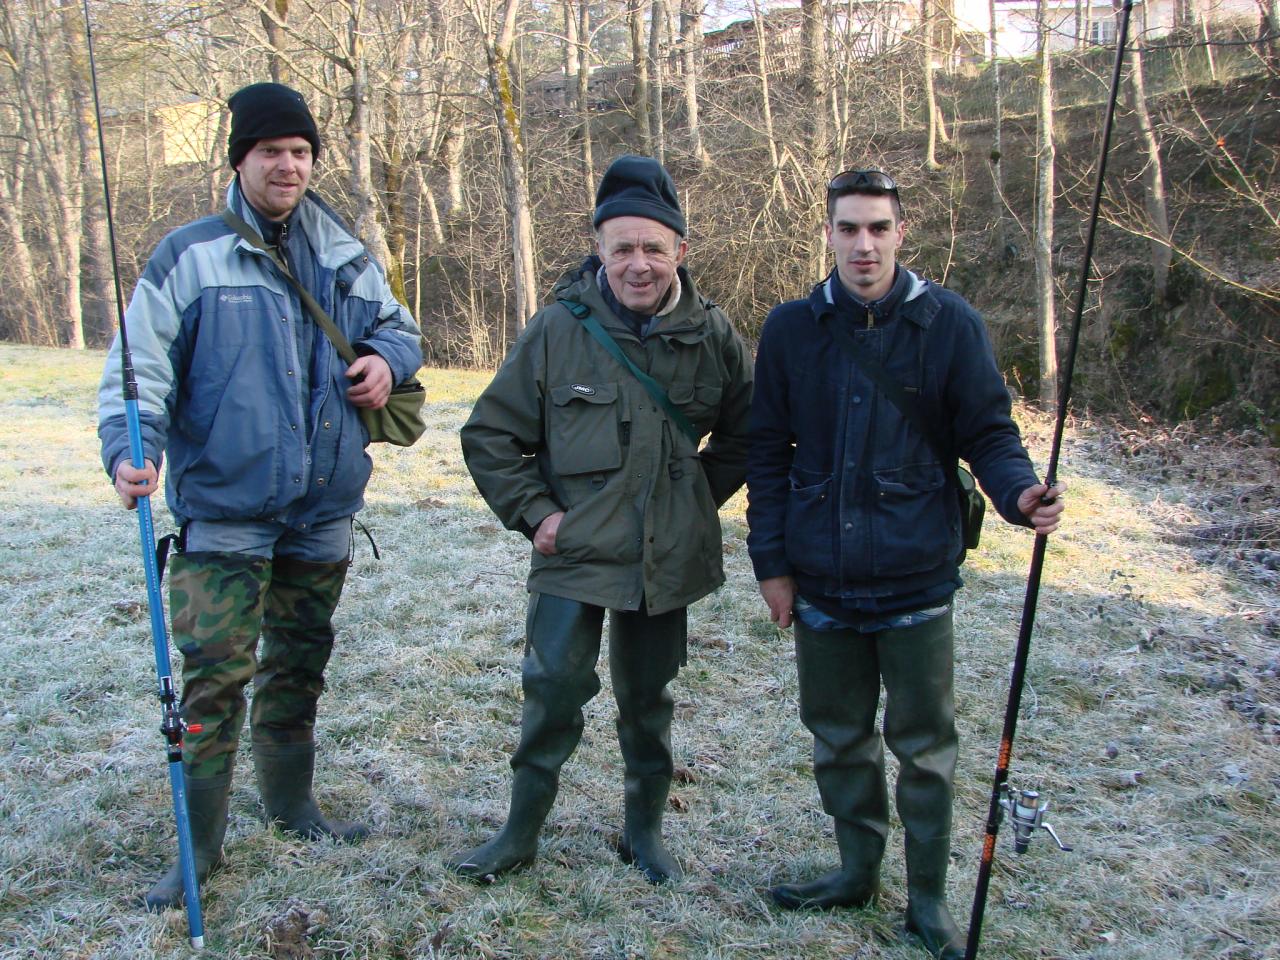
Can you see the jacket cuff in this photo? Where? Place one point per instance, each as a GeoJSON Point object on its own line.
{"type": "Point", "coordinates": [538, 511]}
{"type": "Point", "coordinates": [770, 565]}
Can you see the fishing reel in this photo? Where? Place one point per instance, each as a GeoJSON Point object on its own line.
{"type": "Point", "coordinates": [172, 726]}
{"type": "Point", "coordinates": [1026, 811]}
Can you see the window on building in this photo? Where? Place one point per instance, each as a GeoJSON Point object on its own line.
{"type": "Point", "coordinates": [1102, 32]}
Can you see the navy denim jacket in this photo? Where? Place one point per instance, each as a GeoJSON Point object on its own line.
{"type": "Point", "coordinates": [846, 495]}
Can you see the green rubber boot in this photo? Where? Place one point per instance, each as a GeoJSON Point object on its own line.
{"type": "Point", "coordinates": [919, 727]}
{"type": "Point", "coordinates": [927, 915]}
{"type": "Point", "coordinates": [644, 800]}
{"type": "Point", "coordinates": [558, 677]}
{"type": "Point", "coordinates": [645, 653]}
{"type": "Point", "coordinates": [532, 794]}
{"type": "Point", "coordinates": [207, 809]}
{"type": "Point", "coordinates": [839, 691]}
{"type": "Point", "coordinates": [285, 773]}
{"type": "Point", "coordinates": [855, 884]}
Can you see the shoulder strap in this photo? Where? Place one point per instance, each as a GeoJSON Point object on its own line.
{"type": "Point", "coordinates": [321, 318]}
{"type": "Point", "coordinates": [888, 386]}
{"type": "Point", "coordinates": [654, 389]}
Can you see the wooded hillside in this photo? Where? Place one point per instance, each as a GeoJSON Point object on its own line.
{"type": "Point", "coordinates": [463, 138]}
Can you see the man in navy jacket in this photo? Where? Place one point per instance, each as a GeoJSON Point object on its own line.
{"type": "Point", "coordinates": [856, 537]}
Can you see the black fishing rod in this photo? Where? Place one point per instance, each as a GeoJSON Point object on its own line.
{"type": "Point", "coordinates": [171, 723]}
{"type": "Point", "coordinates": [1026, 809]}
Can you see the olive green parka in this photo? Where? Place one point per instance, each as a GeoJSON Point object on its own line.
{"type": "Point", "coordinates": [564, 426]}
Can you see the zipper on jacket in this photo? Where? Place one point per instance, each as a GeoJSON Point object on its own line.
{"type": "Point", "coordinates": [626, 434]}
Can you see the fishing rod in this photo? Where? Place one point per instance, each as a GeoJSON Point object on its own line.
{"type": "Point", "coordinates": [171, 723]}
{"type": "Point", "coordinates": [1025, 809]}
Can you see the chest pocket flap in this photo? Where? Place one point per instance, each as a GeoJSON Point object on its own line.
{"type": "Point", "coordinates": [583, 432]}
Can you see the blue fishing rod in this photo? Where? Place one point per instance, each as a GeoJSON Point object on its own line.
{"type": "Point", "coordinates": [1025, 808]}
{"type": "Point", "coordinates": [171, 723]}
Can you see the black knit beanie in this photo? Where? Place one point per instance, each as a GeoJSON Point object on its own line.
{"type": "Point", "coordinates": [261, 111]}
{"type": "Point", "coordinates": [638, 187]}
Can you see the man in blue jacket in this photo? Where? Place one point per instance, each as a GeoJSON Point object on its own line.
{"type": "Point", "coordinates": [258, 417]}
{"type": "Point", "coordinates": [855, 536]}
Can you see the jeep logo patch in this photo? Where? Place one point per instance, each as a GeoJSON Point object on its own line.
{"type": "Point", "coordinates": [583, 389]}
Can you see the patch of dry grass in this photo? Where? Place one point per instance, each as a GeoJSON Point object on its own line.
{"type": "Point", "coordinates": [1150, 720]}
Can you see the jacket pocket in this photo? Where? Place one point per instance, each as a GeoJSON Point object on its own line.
{"type": "Point", "coordinates": [583, 428]}
{"type": "Point", "coordinates": [808, 523]}
{"type": "Point", "coordinates": [697, 401]}
{"type": "Point", "coordinates": [910, 529]}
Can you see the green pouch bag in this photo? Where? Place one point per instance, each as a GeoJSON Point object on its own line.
{"type": "Point", "coordinates": [400, 422]}
{"type": "Point", "coordinates": [973, 507]}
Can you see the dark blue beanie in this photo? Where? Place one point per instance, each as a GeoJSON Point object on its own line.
{"type": "Point", "coordinates": [261, 111]}
{"type": "Point", "coordinates": [638, 187]}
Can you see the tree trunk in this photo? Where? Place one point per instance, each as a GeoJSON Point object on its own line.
{"type": "Point", "coordinates": [766, 107]}
{"type": "Point", "coordinates": [572, 44]}
{"type": "Point", "coordinates": [691, 47]}
{"type": "Point", "coordinates": [657, 16]}
{"type": "Point", "coordinates": [933, 117]}
{"type": "Point", "coordinates": [368, 227]}
{"type": "Point", "coordinates": [813, 84]}
{"type": "Point", "coordinates": [273, 22]}
{"type": "Point", "coordinates": [396, 165]}
{"type": "Point", "coordinates": [584, 104]}
{"type": "Point", "coordinates": [498, 43]}
{"type": "Point", "coordinates": [999, 242]}
{"type": "Point", "coordinates": [100, 287]}
{"type": "Point", "coordinates": [27, 314]}
{"type": "Point", "coordinates": [640, 71]}
{"type": "Point", "coordinates": [1047, 323]}
{"type": "Point", "coordinates": [1153, 177]}
{"type": "Point", "coordinates": [452, 149]}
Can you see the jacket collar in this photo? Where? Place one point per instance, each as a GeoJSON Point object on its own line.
{"type": "Point", "coordinates": [917, 304]}
{"type": "Point", "coordinates": [682, 318]}
{"type": "Point", "coordinates": [332, 243]}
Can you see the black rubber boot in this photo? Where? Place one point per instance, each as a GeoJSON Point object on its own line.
{"type": "Point", "coordinates": [558, 676]}
{"type": "Point", "coordinates": [285, 772]}
{"type": "Point", "coordinates": [839, 691]}
{"type": "Point", "coordinates": [919, 727]}
{"type": "Point", "coordinates": [207, 809]}
{"type": "Point", "coordinates": [645, 653]}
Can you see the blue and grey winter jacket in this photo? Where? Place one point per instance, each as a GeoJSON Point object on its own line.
{"type": "Point", "coordinates": [844, 493]}
{"type": "Point", "coordinates": [211, 331]}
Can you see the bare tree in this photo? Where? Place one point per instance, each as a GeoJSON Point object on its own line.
{"type": "Point", "coordinates": [274, 24]}
{"type": "Point", "coordinates": [778, 188]}
{"type": "Point", "coordinates": [99, 279]}
{"type": "Point", "coordinates": [496, 22]}
{"type": "Point", "coordinates": [1045, 158]}
{"type": "Point", "coordinates": [583, 99]}
{"type": "Point", "coordinates": [640, 73]}
{"type": "Point", "coordinates": [657, 21]}
{"type": "Point", "coordinates": [999, 241]}
{"type": "Point", "coordinates": [814, 80]}
{"type": "Point", "coordinates": [928, 68]}
{"type": "Point", "coordinates": [1153, 176]}
{"type": "Point", "coordinates": [690, 51]}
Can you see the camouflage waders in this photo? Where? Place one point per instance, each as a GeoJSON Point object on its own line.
{"type": "Point", "coordinates": [215, 604]}
{"type": "Point", "coordinates": [219, 602]}
{"type": "Point", "coordinates": [297, 640]}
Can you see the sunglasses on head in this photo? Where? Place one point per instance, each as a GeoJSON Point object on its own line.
{"type": "Point", "coordinates": [876, 180]}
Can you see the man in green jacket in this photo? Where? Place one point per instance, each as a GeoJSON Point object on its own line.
{"type": "Point", "coordinates": [609, 479]}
